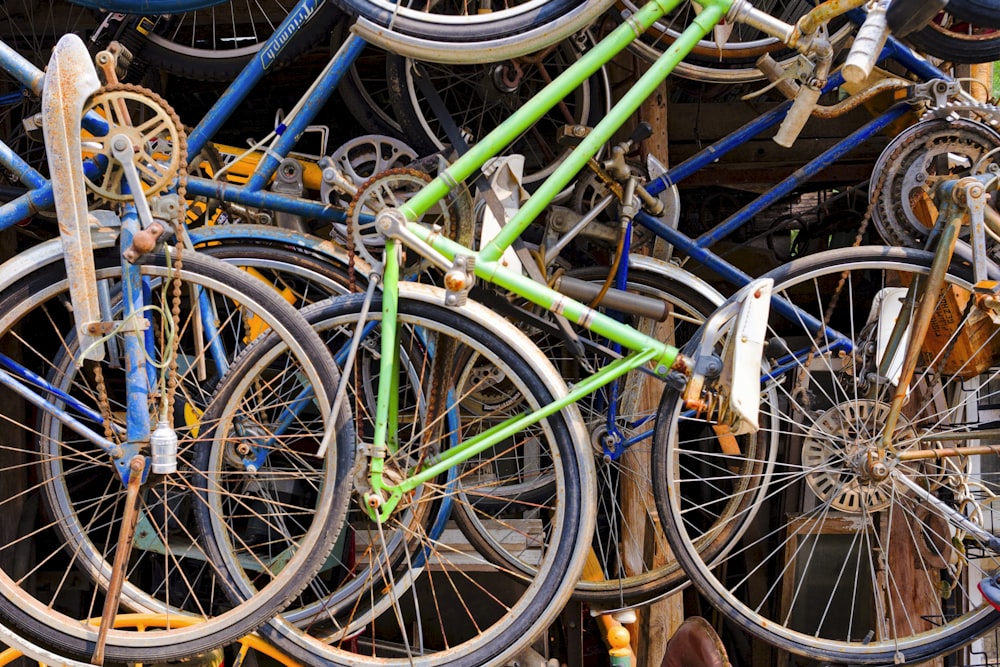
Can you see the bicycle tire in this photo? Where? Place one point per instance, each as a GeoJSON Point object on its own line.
{"type": "Point", "coordinates": [507, 615]}
{"type": "Point", "coordinates": [480, 97]}
{"type": "Point", "coordinates": [628, 521]}
{"type": "Point", "coordinates": [732, 59]}
{"type": "Point", "coordinates": [984, 13]}
{"type": "Point", "coordinates": [896, 583]}
{"type": "Point", "coordinates": [956, 41]}
{"type": "Point", "coordinates": [456, 33]}
{"type": "Point", "coordinates": [184, 50]}
{"type": "Point", "coordinates": [440, 23]}
{"type": "Point", "coordinates": [302, 277]}
{"type": "Point", "coordinates": [74, 501]}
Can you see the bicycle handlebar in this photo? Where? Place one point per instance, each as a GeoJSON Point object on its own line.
{"type": "Point", "coordinates": [867, 44]}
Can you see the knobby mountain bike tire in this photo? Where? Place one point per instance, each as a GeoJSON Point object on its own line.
{"type": "Point", "coordinates": [71, 511]}
{"type": "Point", "coordinates": [837, 562]}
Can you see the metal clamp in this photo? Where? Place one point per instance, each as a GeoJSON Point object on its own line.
{"type": "Point", "coordinates": [458, 280]}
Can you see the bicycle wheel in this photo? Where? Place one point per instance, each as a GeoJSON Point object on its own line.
{"type": "Point", "coordinates": [32, 28]}
{"type": "Point", "coordinates": [842, 560]}
{"type": "Point", "coordinates": [984, 13]}
{"type": "Point", "coordinates": [728, 57]}
{"type": "Point", "coordinates": [408, 590]}
{"type": "Point", "coordinates": [629, 544]}
{"type": "Point", "coordinates": [460, 33]}
{"type": "Point", "coordinates": [214, 44]}
{"type": "Point", "coordinates": [300, 276]}
{"type": "Point", "coordinates": [68, 492]}
{"type": "Point", "coordinates": [480, 97]}
{"type": "Point", "coordinates": [956, 39]}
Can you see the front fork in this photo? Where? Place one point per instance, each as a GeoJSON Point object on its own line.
{"type": "Point", "coordinates": [961, 202]}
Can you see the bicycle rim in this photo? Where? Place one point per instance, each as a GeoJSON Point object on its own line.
{"type": "Point", "coordinates": [837, 564]}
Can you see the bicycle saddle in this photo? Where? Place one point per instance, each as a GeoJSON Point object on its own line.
{"type": "Point", "coordinates": [906, 16]}
{"type": "Point", "coordinates": [695, 644]}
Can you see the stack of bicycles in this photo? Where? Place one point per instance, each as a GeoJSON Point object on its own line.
{"type": "Point", "coordinates": [415, 445]}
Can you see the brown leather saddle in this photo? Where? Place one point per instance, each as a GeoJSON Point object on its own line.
{"type": "Point", "coordinates": [695, 644]}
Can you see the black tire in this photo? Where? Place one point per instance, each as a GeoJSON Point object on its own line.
{"type": "Point", "coordinates": [184, 55]}
{"type": "Point", "coordinates": [893, 580]}
{"type": "Point", "coordinates": [507, 616]}
{"type": "Point", "coordinates": [70, 516]}
{"type": "Point", "coordinates": [303, 277]}
{"type": "Point", "coordinates": [450, 22]}
{"type": "Point", "coordinates": [984, 13]}
{"type": "Point", "coordinates": [956, 41]}
{"type": "Point", "coordinates": [906, 16]}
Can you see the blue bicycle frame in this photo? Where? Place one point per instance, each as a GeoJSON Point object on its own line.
{"type": "Point", "coordinates": [253, 193]}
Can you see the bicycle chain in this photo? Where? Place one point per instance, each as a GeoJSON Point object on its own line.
{"type": "Point", "coordinates": [155, 102]}
{"type": "Point", "coordinates": [180, 230]}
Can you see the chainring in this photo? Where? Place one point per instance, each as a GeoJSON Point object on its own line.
{"type": "Point", "coordinates": [912, 165]}
{"type": "Point", "coordinates": [154, 131]}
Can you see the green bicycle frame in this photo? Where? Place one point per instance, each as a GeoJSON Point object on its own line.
{"type": "Point", "coordinates": [644, 349]}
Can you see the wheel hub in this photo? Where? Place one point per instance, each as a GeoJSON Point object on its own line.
{"type": "Point", "coordinates": [841, 449]}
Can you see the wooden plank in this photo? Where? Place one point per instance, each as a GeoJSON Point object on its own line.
{"type": "Point", "coordinates": [657, 622]}
{"type": "Point", "coordinates": [519, 536]}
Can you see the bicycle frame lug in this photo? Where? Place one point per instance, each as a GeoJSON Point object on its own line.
{"type": "Point", "coordinates": [458, 281]}
{"type": "Point", "coordinates": [164, 208]}
{"type": "Point", "coordinates": [288, 181]}
{"type": "Point", "coordinates": [129, 465]}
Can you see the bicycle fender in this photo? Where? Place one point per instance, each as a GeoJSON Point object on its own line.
{"type": "Point", "coordinates": [70, 80]}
